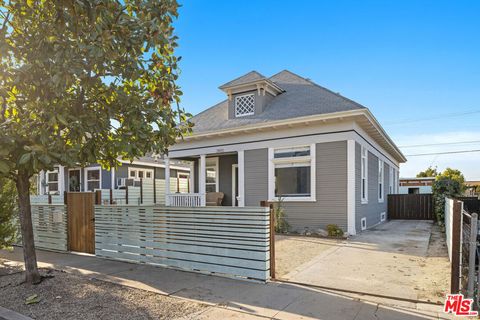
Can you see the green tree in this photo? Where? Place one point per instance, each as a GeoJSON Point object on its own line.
{"type": "Point", "coordinates": [455, 175]}
{"type": "Point", "coordinates": [83, 82]}
{"type": "Point", "coordinates": [429, 172]}
{"type": "Point", "coordinates": [8, 211]}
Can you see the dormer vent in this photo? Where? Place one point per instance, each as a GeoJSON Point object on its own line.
{"type": "Point", "coordinates": [244, 105]}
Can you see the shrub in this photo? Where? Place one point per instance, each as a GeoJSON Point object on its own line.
{"type": "Point", "coordinates": [442, 188]}
{"type": "Point", "coordinates": [334, 230]}
{"type": "Point", "coordinates": [8, 212]}
{"type": "Point", "coordinates": [281, 224]}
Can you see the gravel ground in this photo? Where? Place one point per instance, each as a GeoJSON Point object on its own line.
{"type": "Point", "coordinates": [67, 296]}
{"type": "Point", "coordinates": [293, 251]}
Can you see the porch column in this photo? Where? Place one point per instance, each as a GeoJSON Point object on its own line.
{"type": "Point", "coordinates": [241, 178]}
{"type": "Point", "coordinates": [202, 179]}
{"type": "Point", "coordinates": [167, 181]}
{"type": "Point", "coordinates": [191, 183]}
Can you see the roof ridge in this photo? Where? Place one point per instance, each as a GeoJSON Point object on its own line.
{"type": "Point", "coordinates": [244, 75]}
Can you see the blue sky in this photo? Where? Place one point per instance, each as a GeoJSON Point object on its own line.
{"type": "Point", "coordinates": [415, 64]}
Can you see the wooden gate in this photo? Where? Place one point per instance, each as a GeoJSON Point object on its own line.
{"type": "Point", "coordinates": [411, 206]}
{"type": "Point", "coordinates": [81, 221]}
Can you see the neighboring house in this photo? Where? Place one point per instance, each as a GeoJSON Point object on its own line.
{"type": "Point", "coordinates": [472, 188]}
{"type": "Point", "coordinates": [416, 185]}
{"type": "Point", "coordinates": [285, 137]}
{"type": "Point", "coordinates": [93, 177]}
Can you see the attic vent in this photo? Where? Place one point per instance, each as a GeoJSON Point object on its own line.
{"type": "Point", "coordinates": [244, 105]}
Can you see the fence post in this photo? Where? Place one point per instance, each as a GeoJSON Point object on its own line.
{"type": "Point", "coordinates": [265, 203]}
{"type": "Point", "coordinates": [111, 196]}
{"type": "Point", "coordinates": [98, 197]}
{"type": "Point", "coordinates": [141, 190]}
{"type": "Point", "coordinates": [65, 197]}
{"type": "Point", "coordinates": [456, 247]}
{"type": "Point", "coordinates": [154, 191]}
{"type": "Point", "coordinates": [49, 199]}
{"type": "Point", "coordinates": [472, 246]}
{"type": "Point", "coordinates": [126, 194]}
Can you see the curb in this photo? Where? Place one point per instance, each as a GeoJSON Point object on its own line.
{"type": "Point", "coordinates": [8, 314]}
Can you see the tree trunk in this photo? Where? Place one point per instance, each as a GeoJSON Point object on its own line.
{"type": "Point", "coordinates": [32, 276]}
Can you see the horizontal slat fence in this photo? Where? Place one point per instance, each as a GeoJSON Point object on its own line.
{"type": "Point", "coordinates": [221, 240]}
{"type": "Point", "coordinates": [411, 206]}
{"type": "Point", "coordinates": [50, 226]}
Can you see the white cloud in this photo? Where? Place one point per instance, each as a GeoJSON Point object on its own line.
{"type": "Point", "coordinates": [468, 163]}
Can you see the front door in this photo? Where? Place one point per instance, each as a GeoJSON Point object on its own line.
{"type": "Point", "coordinates": [74, 180]}
{"type": "Point", "coordinates": [234, 185]}
{"type": "Point", "coordinates": [81, 221]}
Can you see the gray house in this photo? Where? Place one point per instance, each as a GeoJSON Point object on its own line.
{"type": "Point", "coordinates": [94, 177]}
{"type": "Point", "coordinates": [286, 137]}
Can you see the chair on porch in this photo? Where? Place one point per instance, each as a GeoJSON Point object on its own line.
{"type": "Point", "coordinates": [214, 198]}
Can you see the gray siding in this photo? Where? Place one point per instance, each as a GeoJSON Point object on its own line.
{"type": "Point", "coordinates": [225, 177]}
{"type": "Point", "coordinates": [373, 208]}
{"type": "Point", "coordinates": [331, 188]}
{"type": "Point", "coordinates": [256, 176]}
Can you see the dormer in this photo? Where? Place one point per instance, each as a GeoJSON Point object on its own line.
{"type": "Point", "coordinates": [249, 95]}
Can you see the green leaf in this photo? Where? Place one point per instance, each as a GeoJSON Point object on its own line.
{"type": "Point", "coordinates": [24, 158]}
{"type": "Point", "coordinates": [4, 167]}
{"type": "Point", "coordinates": [32, 299]}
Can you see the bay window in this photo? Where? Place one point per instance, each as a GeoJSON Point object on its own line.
{"type": "Point", "coordinates": [292, 173]}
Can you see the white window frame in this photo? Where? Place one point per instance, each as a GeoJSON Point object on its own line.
{"type": "Point", "coordinates": [381, 181]}
{"type": "Point", "coordinates": [47, 181]}
{"type": "Point", "coordinates": [383, 216]}
{"type": "Point", "coordinates": [363, 223]}
{"type": "Point", "coordinates": [182, 173]}
{"type": "Point", "coordinates": [86, 178]}
{"type": "Point", "coordinates": [136, 173]}
{"type": "Point", "coordinates": [237, 98]}
{"type": "Point", "coordinates": [271, 172]}
{"type": "Point", "coordinates": [390, 180]}
{"type": "Point", "coordinates": [212, 162]}
{"type": "Point", "coordinates": [364, 175]}
{"type": "Point", "coordinates": [79, 182]}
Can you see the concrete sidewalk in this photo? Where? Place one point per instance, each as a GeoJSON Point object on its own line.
{"type": "Point", "coordinates": [231, 298]}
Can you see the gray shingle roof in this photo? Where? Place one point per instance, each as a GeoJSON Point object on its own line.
{"type": "Point", "coordinates": [302, 97]}
{"type": "Point", "coordinates": [246, 78]}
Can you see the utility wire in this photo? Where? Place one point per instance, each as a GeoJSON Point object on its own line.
{"type": "Point", "coordinates": [437, 153]}
{"type": "Point", "coordinates": [449, 115]}
{"type": "Point", "coordinates": [439, 144]}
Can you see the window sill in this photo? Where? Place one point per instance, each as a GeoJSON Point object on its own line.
{"type": "Point", "coordinates": [294, 199]}
{"type": "Point", "coordinates": [381, 201]}
{"type": "Point", "coordinates": [364, 202]}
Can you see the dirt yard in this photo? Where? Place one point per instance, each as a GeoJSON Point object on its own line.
{"type": "Point", "coordinates": [66, 296]}
{"type": "Point", "coordinates": [405, 259]}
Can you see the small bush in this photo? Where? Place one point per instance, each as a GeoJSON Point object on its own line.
{"type": "Point", "coordinates": [8, 213]}
{"type": "Point", "coordinates": [442, 188]}
{"type": "Point", "coordinates": [334, 230]}
{"type": "Point", "coordinates": [281, 224]}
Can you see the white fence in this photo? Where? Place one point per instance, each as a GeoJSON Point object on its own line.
{"type": "Point", "coordinates": [448, 224]}
{"type": "Point", "coordinates": [50, 226]}
{"type": "Point", "coordinates": [186, 199]}
{"type": "Point", "coordinates": [222, 240]}
{"type": "Point", "coordinates": [43, 199]}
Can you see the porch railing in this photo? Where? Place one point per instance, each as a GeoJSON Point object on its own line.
{"type": "Point", "coordinates": [186, 199]}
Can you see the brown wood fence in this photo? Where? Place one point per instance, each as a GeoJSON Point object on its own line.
{"type": "Point", "coordinates": [411, 206]}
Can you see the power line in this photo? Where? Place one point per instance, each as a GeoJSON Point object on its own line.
{"type": "Point", "coordinates": [439, 144]}
{"type": "Point", "coordinates": [438, 153]}
{"type": "Point", "coordinates": [447, 115]}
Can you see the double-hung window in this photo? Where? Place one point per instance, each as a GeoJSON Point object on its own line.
{"type": "Point", "coordinates": [137, 174]}
{"type": "Point", "coordinates": [53, 181]}
{"type": "Point", "coordinates": [364, 175]}
{"type": "Point", "coordinates": [381, 180]}
{"type": "Point", "coordinates": [292, 173]}
{"type": "Point", "coordinates": [93, 178]}
{"type": "Point", "coordinates": [211, 175]}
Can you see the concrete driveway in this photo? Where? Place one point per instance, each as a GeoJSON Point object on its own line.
{"type": "Point", "coordinates": [391, 259]}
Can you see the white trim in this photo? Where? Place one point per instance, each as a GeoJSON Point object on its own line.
{"type": "Point", "coordinates": [237, 99]}
{"type": "Point", "coordinates": [192, 177]}
{"type": "Point", "coordinates": [381, 181]}
{"type": "Point", "coordinates": [390, 180]}
{"type": "Point", "coordinates": [156, 165]}
{"type": "Point", "coordinates": [351, 187]}
{"type": "Point", "coordinates": [217, 174]}
{"type": "Point", "coordinates": [179, 173]}
{"type": "Point", "coordinates": [201, 177]}
{"type": "Point", "coordinates": [86, 169]}
{"type": "Point", "coordinates": [383, 216]}
{"type": "Point", "coordinates": [47, 188]}
{"type": "Point", "coordinates": [307, 119]}
{"type": "Point", "coordinates": [271, 173]}
{"type": "Point", "coordinates": [234, 184]}
{"type": "Point", "coordinates": [363, 174]}
{"type": "Point", "coordinates": [364, 219]}
{"type": "Point", "coordinates": [80, 178]}
{"type": "Point", "coordinates": [112, 178]}
{"type": "Point", "coordinates": [241, 178]}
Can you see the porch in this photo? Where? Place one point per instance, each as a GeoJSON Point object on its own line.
{"type": "Point", "coordinates": [216, 179]}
